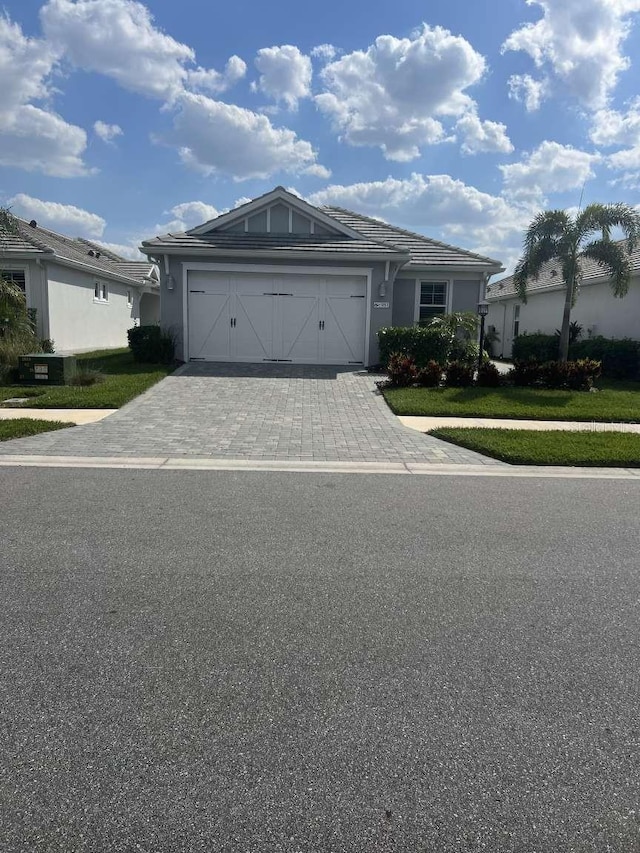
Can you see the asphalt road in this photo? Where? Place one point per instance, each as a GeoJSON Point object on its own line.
{"type": "Point", "coordinates": [309, 663]}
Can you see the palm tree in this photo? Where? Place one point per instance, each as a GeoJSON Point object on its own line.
{"type": "Point", "coordinates": [554, 234]}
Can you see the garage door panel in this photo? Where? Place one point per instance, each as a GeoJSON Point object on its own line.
{"type": "Point", "coordinates": [209, 326]}
{"type": "Point", "coordinates": [300, 328]}
{"type": "Point", "coordinates": [253, 333]}
{"type": "Point", "coordinates": [344, 329]}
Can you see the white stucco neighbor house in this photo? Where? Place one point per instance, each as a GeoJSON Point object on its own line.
{"type": "Point", "coordinates": [85, 296]}
{"type": "Point", "coordinates": [597, 310]}
{"type": "Point", "coordinates": [278, 279]}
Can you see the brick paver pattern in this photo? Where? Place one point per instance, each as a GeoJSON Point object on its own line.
{"type": "Point", "coordinates": [254, 412]}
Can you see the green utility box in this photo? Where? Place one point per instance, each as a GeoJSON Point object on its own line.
{"type": "Point", "coordinates": [44, 368]}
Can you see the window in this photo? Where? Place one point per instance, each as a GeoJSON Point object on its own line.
{"type": "Point", "coordinates": [16, 277]}
{"type": "Point", "coordinates": [100, 292]}
{"type": "Point", "coordinates": [433, 300]}
{"type": "Point", "coordinates": [516, 321]}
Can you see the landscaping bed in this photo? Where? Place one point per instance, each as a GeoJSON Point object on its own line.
{"type": "Point", "coordinates": [556, 447]}
{"type": "Point", "coordinates": [614, 401]}
{"type": "Point", "coordinates": [121, 379]}
{"type": "Point", "coordinates": [21, 427]}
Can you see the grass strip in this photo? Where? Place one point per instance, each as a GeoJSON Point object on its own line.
{"type": "Point", "coordinates": [613, 402]}
{"type": "Point", "coordinates": [123, 379]}
{"type": "Point", "coordinates": [555, 447]}
{"type": "Point", "coordinates": [21, 427]}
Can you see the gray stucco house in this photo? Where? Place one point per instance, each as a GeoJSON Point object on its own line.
{"type": "Point", "coordinates": [85, 297]}
{"type": "Point", "coordinates": [278, 279]}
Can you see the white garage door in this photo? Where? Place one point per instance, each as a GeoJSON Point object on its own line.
{"type": "Point", "coordinates": [304, 319]}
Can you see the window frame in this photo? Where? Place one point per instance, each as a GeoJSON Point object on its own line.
{"type": "Point", "coordinates": [516, 321]}
{"type": "Point", "coordinates": [432, 279]}
{"type": "Point", "coordinates": [102, 289]}
{"type": "Point", "coordinates": [24, 269]}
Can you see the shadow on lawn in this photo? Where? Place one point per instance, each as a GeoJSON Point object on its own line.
{"type": "Point", "coordinates": [541, 399]}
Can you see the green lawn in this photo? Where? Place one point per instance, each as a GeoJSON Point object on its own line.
{"type": "Point", "coordinates": [124, 379]}
{"type": "Point", "coordinates": [615, 401]}
{"type": "Point", "coordinates": [527, 447]}
{"type": "Point", "coordinates": [20, 427]}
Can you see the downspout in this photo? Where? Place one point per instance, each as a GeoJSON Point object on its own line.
{"type": "Point", "coordinates": [44, 282]}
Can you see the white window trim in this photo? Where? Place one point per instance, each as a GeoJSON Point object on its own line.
{"type": "Point", "coordinates": [431, 279]}
{"type": "Point", "coordinates": [103, 287]}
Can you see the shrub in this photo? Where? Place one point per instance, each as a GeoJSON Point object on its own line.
{"type": "Point", "coordinates": [402, 370]}
{"type": "Point", "coordinates": [422, 343]}
{"type": "Point", "coordinates": [458, 375]}
{"type": "Point", "coordinates": [151, 344]}
{"type": "Point", "coordinates": [47, 345]}
{"type": "Point", "coordinates": [488, 375]}
{"type": "Point", "coordinates": [620, 357]}
{"type": "Point", "coordinates": [535, 347]}
{"type": "Point", "coordinates": [575, 375]}
{"type": "Point", "coordinates": [465, 351]}
{"type": "Point", "coordinates": [430, 375]}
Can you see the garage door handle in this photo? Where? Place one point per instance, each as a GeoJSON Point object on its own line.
{"type": "Point", "coordinates": [321, 324]}
{"type": "Point", "coordinates": [233, 322]}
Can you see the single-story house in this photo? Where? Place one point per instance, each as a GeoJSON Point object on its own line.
{"type": "Point", "coordinates": [85, 297]}
{"type": "Point", "coordinates": [278, 279]}
{"type": "Point", "coordinates": [597, 310]}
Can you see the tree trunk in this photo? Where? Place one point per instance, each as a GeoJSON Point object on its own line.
{"type": "Point", "coordinates": [563, 353]}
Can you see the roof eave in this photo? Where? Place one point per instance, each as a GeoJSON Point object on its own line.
{"type": "Point", "coordinates": [273, 253]}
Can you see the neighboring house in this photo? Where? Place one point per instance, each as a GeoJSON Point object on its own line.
{"type": "Point", "coordinates": [278, 279]}
{"type": "Point", "coordinates": [85, 296]}
{"type": "Point", "coordinates": [597, 310]}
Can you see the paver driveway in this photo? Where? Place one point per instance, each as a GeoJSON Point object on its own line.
{"type": "Point", "coordinates": [255, 412]}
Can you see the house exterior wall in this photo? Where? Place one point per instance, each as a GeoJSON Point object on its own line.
{"type": "Point", "coordinates": [149, 309]}
{"type": "Point", "coordinates": [466, 295]}
{"type": "Point", "coordinates": [404, 302]}
{"type": "Point", "coordinates": [597, 310]}
{"type": "Point", "coordinates": [77, 321]}
{"type": "Point", "coordinates": [172, 301]}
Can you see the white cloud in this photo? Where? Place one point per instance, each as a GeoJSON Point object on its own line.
{"type": "Point", "coordinates": [209, 80]}
{"type": "Point", "coordinates": [324, 52]}
{"type": "Point", "coordinates": [40, 141]}
{"type": "Point", "coordinates": [317, 171]}
{"type": "Point", "coordinates": [285, 74]}
{"type": "Point", "coordinates": [579, 43]}
{"type": "Point", "coordinates": [65, 218]}
{"type": "Point", "coordinates": [551, 167]}
{"type": "Point", "coordinates": [193, 213]}
{"type": "Point", "coordinates": [530, 92]}
{"type": "Point", "coordinates": [214, 137]}
{"type": "Point", "coordinates": [33, 137]}
{"type": "Point", "coordinates": [483, 136]}
{"type": "Point", "coordinates": [629, 158]}
{"type": "Point", "coordinates": [107, 132]}
{"type": "Point", "coordinates": [611, 127]}
{"type": "Point", "coordinates": [394, 94]}
{"type": "Point", "coordinates": [117, 38]}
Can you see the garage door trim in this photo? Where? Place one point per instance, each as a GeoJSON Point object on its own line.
{"type": "Point", "coordinates": [277, 269]}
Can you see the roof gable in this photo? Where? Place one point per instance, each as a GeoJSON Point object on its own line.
{"type": "Point", "coordinates": [276, 212]}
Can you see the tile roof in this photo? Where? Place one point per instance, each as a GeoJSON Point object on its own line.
{"type": "Point", "coordinates": [424, 250]}
{"type": "Point", "coordinates": [35, 240]}
{"type": "Point", "coordinates": [551, 276]}
{"type": "Point", "coordinates": [221, 241]}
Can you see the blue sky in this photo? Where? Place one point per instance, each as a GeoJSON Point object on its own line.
{"type": "Point", "coordinates": [122, 119]}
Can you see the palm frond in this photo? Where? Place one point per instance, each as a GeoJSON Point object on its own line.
{"type": "Point", "coordinates": [604, 217]}
{"type": "Point", "coordinates": [614, 260]}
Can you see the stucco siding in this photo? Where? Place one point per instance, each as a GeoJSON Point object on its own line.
{"type": "Point", "coordinates": [149, 309]}
{"type": "Point", "coordinates": [466, 295]}
{"type": "Point", "coordinates": [596, 310]}
{"type": "Point", "coordinates": [172, 300]}
{"type": "Point", "coordinates": [77, 321]}
{"type": "Point", "coordinates": [404, 302]}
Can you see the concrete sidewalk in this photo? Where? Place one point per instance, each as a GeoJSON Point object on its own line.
{"type": "Point", "coordinates": [67, 416]}
{"type": "Point", "coordinates": [425, 424]}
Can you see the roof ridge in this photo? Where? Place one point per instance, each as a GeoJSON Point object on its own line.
{"type": "Point", "coordinates": [410, 233]}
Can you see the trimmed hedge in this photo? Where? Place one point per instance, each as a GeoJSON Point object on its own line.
{"type": "Point", "coordinates": [620, 357]}
{"type": "Point", "coordinates": [572, 375]}
{"type": "Point", "coordinates": [422, 343]}
{"type": "Point", "coordinates": [151, 345]}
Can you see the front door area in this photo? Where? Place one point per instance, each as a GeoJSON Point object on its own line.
{"type": "Point", "coordinates": [289, 317]}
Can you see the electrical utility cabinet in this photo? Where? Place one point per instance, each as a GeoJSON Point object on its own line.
{"type": "Point", "coordinates": [46, 368]}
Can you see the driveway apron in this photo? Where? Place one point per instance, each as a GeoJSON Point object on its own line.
{"type": "Point", "coordinates": [254, 412]}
